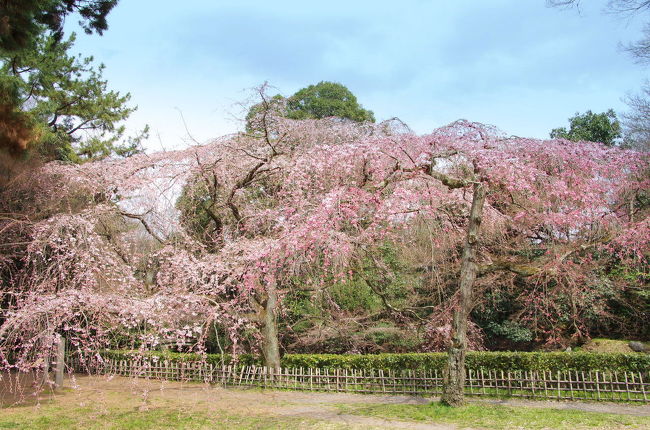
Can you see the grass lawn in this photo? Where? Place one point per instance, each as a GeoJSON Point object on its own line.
{"type": "Point", "coordinates": [491, 416]}
{"type": "Point", "coordinates": [51, 417]}
{"type": "Point", "coordinates": [125, 403]}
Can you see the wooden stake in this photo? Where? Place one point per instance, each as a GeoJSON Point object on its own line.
{"type": "Point", "coordinates": [59, 365]}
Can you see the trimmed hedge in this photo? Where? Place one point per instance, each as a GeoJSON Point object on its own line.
{"type": "Point", "coordinates": [215, 359]}
{"type": "Point", "coordinates": [475, 360]}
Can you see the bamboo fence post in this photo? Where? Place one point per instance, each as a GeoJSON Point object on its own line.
{"type": "Point", "coordinates": [545, 386]}
{"type": "Point", "coordinates": [336, 378]}
{"type": "Point", "coordinates": [483, 383]}
{"type": "Point", "coordinates": [497, 381]}
{"type": "Point", "coordinates": [532, 382]}
{"type": "Point", "coordinates": [266, 373]}
{"type": "Point", "coordinates": [299, 377]}
{"type": "Point", "coordinates": [471, 391]}
{"type": "Point", "coordinates": [509, 384]}
{"type": "Point", "coordinates": [318, 379]}
{"type": "Point", "coordinates": [645, 398]}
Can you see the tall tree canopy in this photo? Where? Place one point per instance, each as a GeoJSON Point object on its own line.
{"type": "Point", "coordinates": [593, 127]}
{"type": "Point", "coordinates": [74, 115]}
{"type": "Point", "coordinates": [51, 102]}
{"type": "Point", "coordinates": [23, 21]}
{"type": "Point", "coordinates": [323, 100]}
{"type": "Point", "coordinates": [327, 99]}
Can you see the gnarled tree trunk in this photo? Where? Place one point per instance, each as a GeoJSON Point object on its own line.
{"type": "Point", "coordinates": [454, 374]}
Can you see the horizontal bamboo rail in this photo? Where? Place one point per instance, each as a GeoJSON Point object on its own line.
{"type": "Point", "coordinates": [568, 385]}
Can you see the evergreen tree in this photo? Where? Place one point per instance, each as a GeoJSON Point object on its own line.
{"type": "Point", "coordinates": [74, 115]}
{"type": "Point", "coordinates": [327, 99]}
{"type": "Point", "coordinates": [323, 100]}
{"type": "Point", "coordinates": [593, 127]}
{"type": "Point", "coordinates": [23, 21]}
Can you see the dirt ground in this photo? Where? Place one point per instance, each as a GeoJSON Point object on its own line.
{"type": "Point", "coordinates": [101, 392]}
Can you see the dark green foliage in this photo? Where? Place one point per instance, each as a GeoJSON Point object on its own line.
{"type": "Point", "coordinates": [511, 331]}
{"type": "Point", "coordinates": [22, 21]}
{"type": "Point", "coordinates": [75, 116]}
{"type": "Point", "coordinates": [476, 360]}
{"type": "Point", "coordinates": [358, 313]}
{"type": "Point", "coordinates": [327, 99]}
{"type": "Point", "coordinates": [355, 295]}
{"type": "Point", "coordinates": [594, 127]}
{"type": "Point", "coordinates": [492, 315]}
{"type": "Point", "coordinates": [323, 100]}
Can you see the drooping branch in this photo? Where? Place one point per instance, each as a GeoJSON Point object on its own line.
{"type": "Point", "coordinates": [145, 224]}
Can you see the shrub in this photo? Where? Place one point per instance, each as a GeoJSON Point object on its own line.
{"type": "Point", "coordinates": [476, 360]}
{"type": "Point", "coordinates": [214, 359]}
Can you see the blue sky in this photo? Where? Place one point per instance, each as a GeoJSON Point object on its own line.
{"type": "Point", "coordinates": [515, 64]}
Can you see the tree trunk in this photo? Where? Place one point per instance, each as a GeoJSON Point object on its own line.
{"type": "Point", "coordinates": [454, 374]}
{"type": "Point", "coordinates": [270, 342]}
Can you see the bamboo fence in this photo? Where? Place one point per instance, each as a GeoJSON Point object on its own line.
{"type": "Point", "coordinates": [568, 385]}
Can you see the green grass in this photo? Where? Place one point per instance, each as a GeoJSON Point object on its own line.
{"type": "Point", "coordinates": [498, 417]}
{"type": "Point", "coordinates": [122, 403]}
{"type": "Point", "coordinates": [87, 418]}
{"type": "Point", "coordinates": [55, 418]}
